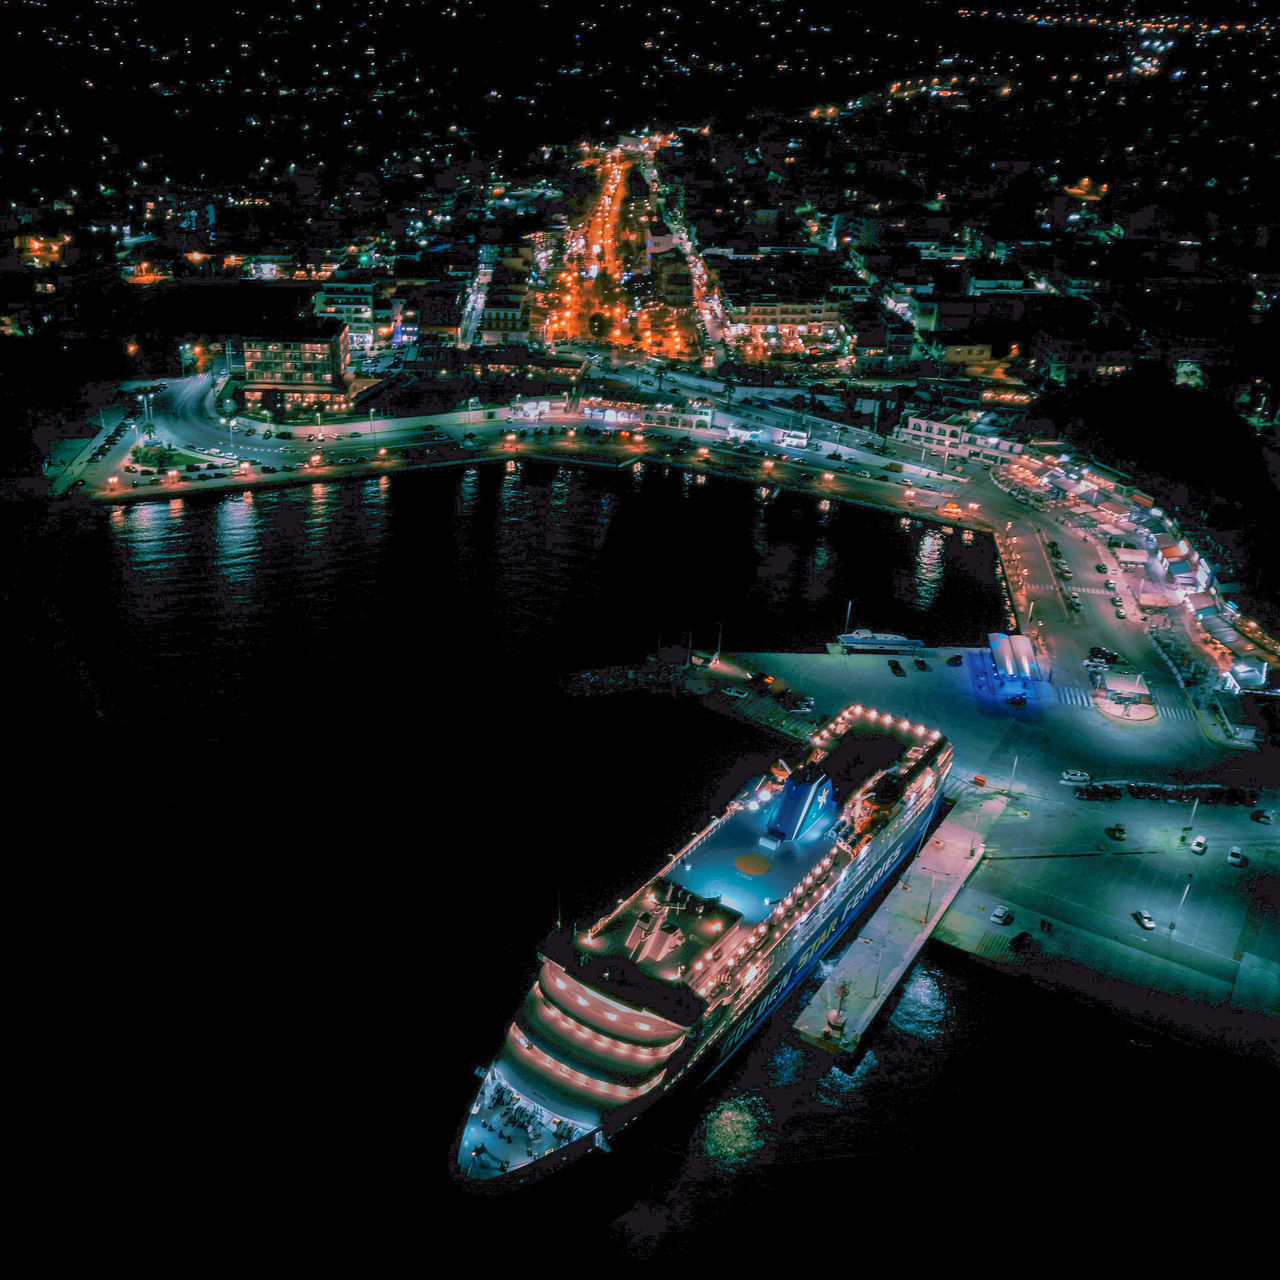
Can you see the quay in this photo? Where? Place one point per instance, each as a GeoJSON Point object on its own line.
{"type": "Point", "coordinates": [1208, 970]}
{"type": "Point", "coordinates": [441, 458]}
{"type": "Point", "coordinates": [887, 943]}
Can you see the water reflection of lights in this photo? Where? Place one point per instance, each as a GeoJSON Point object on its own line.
{"type": "Point", "coordinates": [237, 536]}
{"type": "Point", "coordinates": [930, 566]}
{"type": "Point", "coordinates": [735, 1131]}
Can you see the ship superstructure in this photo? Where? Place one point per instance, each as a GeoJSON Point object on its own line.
{"type": "Point", "coordinates": [669, 983]}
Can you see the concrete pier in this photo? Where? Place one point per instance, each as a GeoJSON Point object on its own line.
{"type": "Point", "coordinates": [888, 942]}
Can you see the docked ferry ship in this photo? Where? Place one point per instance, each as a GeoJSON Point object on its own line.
{"type": "Point", "coordinates": [668, 985]}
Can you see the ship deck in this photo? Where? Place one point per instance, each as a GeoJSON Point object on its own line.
{"type": "Point", "coordinates": [749, 878]}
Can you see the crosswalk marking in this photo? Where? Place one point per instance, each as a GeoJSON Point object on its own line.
{"type": "Point", "coordinates": [1075, 696]}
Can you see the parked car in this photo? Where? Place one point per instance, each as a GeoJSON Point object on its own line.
{"type": "Point", "coordinates": [1199, 844]}
{"type": "Point", "coordinates": [1236, 858]}
{"type": "Point", "coordinates": [956, 660]}
{"type": "Point", "coordinates": [1144, 919]}
{"type": "Point", "coordinates": [732, 691]}
{"type": "Point", "coordinates": [896, 667]}
{"type": "Point", "coordinates": [1101, 568]}
{"type": "Point", "coordinates": [921, 664]}
{"type": "Point", "coordinates": [1001, 915]}
{"type": "Point", "coordinates": [1017, 700]}
{"type": "Point", "coordinates": [1266, 816]}
{"type": "Point", "coordinates": [1120, 613]}
{"type": "Point", "coordinates": [1074, 775]}
{"type": "Point", "coordinates": [1110, 584]}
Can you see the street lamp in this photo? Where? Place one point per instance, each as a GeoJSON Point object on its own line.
{"type": "Point", "coordinates": [1173, 924]}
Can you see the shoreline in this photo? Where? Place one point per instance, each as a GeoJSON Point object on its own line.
{"type": "Point", "coordinates": [189, 487]}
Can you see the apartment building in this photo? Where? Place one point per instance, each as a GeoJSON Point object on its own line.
{"type": "Point", "coordinates": [363, 300]}
{"type": "Point", "coordinates": [298, 363]}
{"type": "Point", "coordinates": [972, 433]}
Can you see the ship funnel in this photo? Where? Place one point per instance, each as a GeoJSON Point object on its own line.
{"type": "Point", "coordinates": [801, 801]}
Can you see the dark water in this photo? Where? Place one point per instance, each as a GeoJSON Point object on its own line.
{"type": "Point", "coordinates": [310, 797]}
{"type": "Point", "coordinates": [199, 602]}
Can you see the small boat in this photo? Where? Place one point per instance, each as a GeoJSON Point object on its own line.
{"type": "Point", "coordinates": [863, 639]}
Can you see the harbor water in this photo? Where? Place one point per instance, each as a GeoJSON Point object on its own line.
{"type": "Point", "coordinates": [306, 749]}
